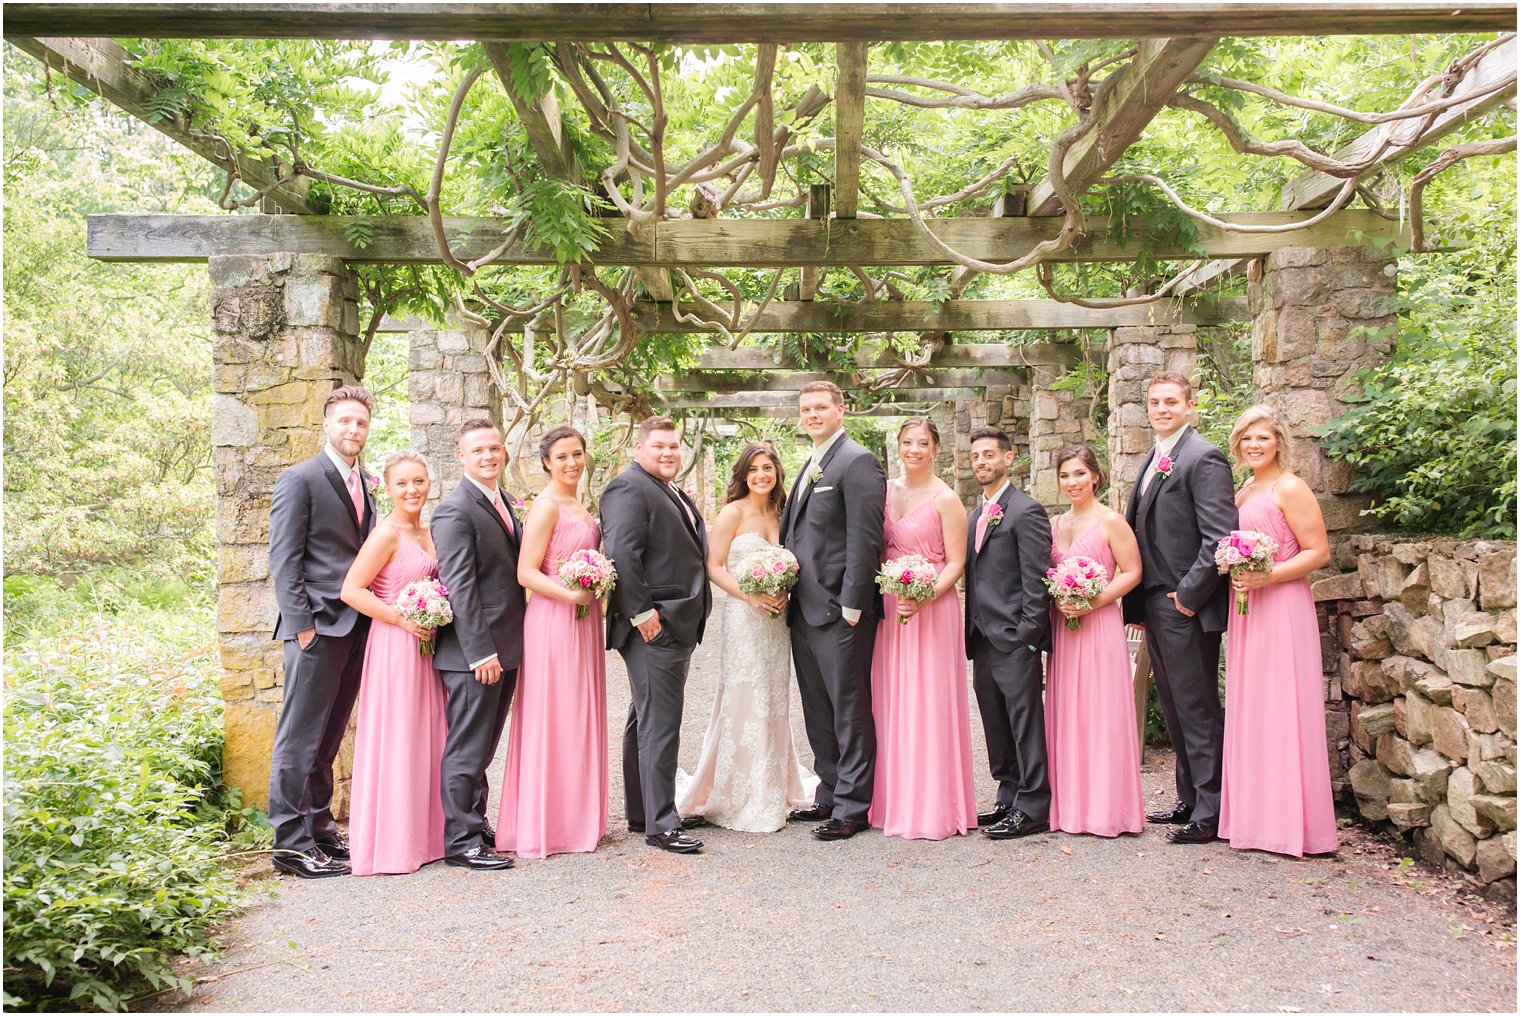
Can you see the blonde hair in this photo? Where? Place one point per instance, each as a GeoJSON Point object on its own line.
{"type": "Point", "coordinates": [395, 459]}
{"type": "Point", "coordinates": [1261, 413]}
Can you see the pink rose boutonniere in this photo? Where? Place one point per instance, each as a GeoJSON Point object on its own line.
{"type": "Point", "coordinates": [375, 485]}
{"type": "Point", "coordinates": [994, 513]}
{"type": "Point", "coordinates": [1164, 466]}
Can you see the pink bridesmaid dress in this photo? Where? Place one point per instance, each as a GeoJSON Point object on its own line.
{"type": "Point", "coordinates": [554, 793]}
{"type": "Point", "coordinates": [1276, 765]}
{"type": "Point", "coordinates": [924, 788]}
{"type": "Point", "coordinates": [395, 818]}
{"type": "Point", "coordinates": [1090, 726]}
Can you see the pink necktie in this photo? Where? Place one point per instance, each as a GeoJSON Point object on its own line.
{"type": "Point", "coordinates": [356, 492]}
{"type": "Point", "coordinates": [981, 528]}
{"type": "Point", "coordinates": [501, 509]}
{"type": "Point", "coordinates": [685, 508]}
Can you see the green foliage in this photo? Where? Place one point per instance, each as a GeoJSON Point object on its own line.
{"type": "Point", "coordinates": [116, 820]}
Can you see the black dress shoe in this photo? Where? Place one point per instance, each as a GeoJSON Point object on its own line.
{"type": "Point", "coordinates": [308, 864]}
{"type": "Point", "coordinates": [1194, 832]}
{"type": "Point", "coordinates": [1181, 814]}
{"type": "Point", "coordinates": [1017, 824]}
{"type": "Point", "coordinates": [840, 828]}
{"type": "Point", "coordinates": [336, 848]}
{"type": "Point", "coordinates": [674, 841]}
{"type": "Point", "coordinates": [994, 816]}
{"type": "Point", "coordinates": [812, 813]}
{"type": "Point", "coordinates": [488, 836]}
{"type": "Point", "coordinates": [479, 858]}
{"type": "Point", "coordinates": [689, 822]}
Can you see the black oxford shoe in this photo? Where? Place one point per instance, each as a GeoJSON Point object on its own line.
{"type": "Point", "coordinates": [674, 841]}
{"type": "Point", "coordinates": [812, 813]}
{"type": "Point", "coordinates": [479, 858]}
{"type": "Point", "coordinates": [689, 822]}
{"type": "Point", "coordinates": [336, 848]}
{"type": "Point", "coordinates": [308, 864]}
{"type": "Point", "coordinates": [840, 828]}
{"type": "Point", "coordinates": [1194, 832]}
{"type": "Point", "coordinates": [994, 816]}
{"type": "Point", "coordinates": [1181, 814]}
{"type": "Point", "coordinates": [488, 836]}
{"type": "Point", "coordinates": [1017, 824]}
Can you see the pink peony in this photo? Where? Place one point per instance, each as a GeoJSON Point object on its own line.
{"type": "Point", "coordinates": [907, 578]}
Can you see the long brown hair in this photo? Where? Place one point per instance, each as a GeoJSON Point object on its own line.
{"type": "Point", "coordinates": [738, 483]}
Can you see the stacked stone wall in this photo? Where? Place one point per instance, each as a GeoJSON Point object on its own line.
{"type": "Point", "coordinates": [1419, 649]}
{"type": "Point", "coordinates": [1056, 419]}
{"type": "Point", "coordinates": [448, 383]}
{"type": "Point", "coordinates": [1008, 407]}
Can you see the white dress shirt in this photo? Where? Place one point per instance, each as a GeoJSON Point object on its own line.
{"type": "Point", "coordinates": [1163, 447]}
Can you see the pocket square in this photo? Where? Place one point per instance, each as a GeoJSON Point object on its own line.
{"type": "Point", "coordinates": [820, 490]}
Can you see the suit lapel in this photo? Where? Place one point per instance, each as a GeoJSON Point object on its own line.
{"type": "Point", "coordinates": [485, 503]}
{"type": "Point", "coordinates": [668, 491]}
{"type": "Point", "coordinates": [1002, 502]}
{"type": "Point", "coordinates": [823, 464]}
{"type": "Point", "coordinates": [331, 472]}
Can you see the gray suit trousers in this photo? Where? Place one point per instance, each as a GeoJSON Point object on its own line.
{"type": "Point", "coordinates": [1009, 697]}
{"type": "Point", "coordinates": [1186, 661]}
{"type": "Point", "coordinates": [476, 714]}
{"type": "Point", "coordinates": [834, 675]}
{"type": "Point", "coordinates": [652, 736]}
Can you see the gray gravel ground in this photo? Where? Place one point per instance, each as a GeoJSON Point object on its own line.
{"type": "Point", "coordinates": [781, 922]}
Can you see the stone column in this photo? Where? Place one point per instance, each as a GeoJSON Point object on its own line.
{"type": "Point", "coordinates": [1134, 355]}
{"type": "Point", "coordinates": [285, 337]}
{"type": "Point", "coordinates": [1321, 314]}
{"type": "Point", "coordinates": [1005, 406]}
{"type": "Point", "coordinates": [449, 382]}
{"type": "Point", "coordinates": [1056, 419]}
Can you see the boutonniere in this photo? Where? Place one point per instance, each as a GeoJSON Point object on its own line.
{"type": "Point", "coordinates": [1164, 466]}
{"type": "Point", "coordinates": [994, 514]}
{"type": "Point", "coordinates": [518, 504]}
{"type": "Point", "coordinates": [815, 473]}
{"type": "Point", "coordinates": [374, 485]}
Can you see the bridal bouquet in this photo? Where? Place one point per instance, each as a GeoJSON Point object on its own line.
{"type": "Point", "coordinates": [425, 603]}
{"type": "Point", "coordinates": [587, 569]}
{"type": "Point", "coordinates": [1076, 580]}
{"type": "Point", "coordinates": [909, 577]}
{"type": "Point", "coordinates": [1244, 550]}
{"type": "Point", "coordinates": [767, 572]}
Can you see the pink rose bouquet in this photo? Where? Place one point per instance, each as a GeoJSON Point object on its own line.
{"type": "Point", "coordinates": [909, 577]}
{"type": "Point", "coordinates": [1078, 581]}
{"type": "Point", "coordinates": [1244, 550]}
{"type": "Point", "coordinates": [425, 603]}
{"type": "Point", "coordinates": [587, 569]}
{"type": "Point", "coordinates": [767, 572]}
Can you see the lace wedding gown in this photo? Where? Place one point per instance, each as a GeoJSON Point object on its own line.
{"type": "Point", "coordinates": [749, 775]}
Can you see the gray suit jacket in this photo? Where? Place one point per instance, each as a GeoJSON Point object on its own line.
{"type": "Point", "coordinates": [660, 556]}
{"type": "Point", "coordinates": [477, 564]}
{"type": "Point", "coordinates": [314, 537]}
{"type": "Point", "coordinates": [835, 528]}
{"type": "Point", "coordinates": [1005, 589]}
{"type": "Point", "coordinates": [1178, 522]}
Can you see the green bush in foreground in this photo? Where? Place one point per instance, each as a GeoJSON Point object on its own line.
{"type": "Point", "coordinates": [115, 816]}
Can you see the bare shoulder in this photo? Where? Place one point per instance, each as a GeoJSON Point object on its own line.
{"type": "Point", "coordinates": [1291, 489]}
{"type": "Point", "coordinates": [544, 507]}
{"type": "Point", "coordinates": [946, 499]}
{"type": "Point", "coordinates": [384, 536]}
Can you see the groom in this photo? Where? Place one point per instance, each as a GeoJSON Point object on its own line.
{"type": "Point", "coordinates": [1180, 508]}
{"type": "Point", "coordinates": [477, 536]}
{"type": "Point", "coordinates": [656, 616]}
{"type": "Point", "coordinates": [833, 522]}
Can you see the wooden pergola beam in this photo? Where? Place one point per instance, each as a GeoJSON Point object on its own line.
{"type": "Point", "coordinates": [849, 125]}
{"type": "Point", "coordinates": [102, 66]}
{"type": "Point", "coordinates": [792, 381]}
{"type": "Point", "coordinates": [750, 22]}
{"type": "Point", "coordinates": [1130, 100]}
{"type": "Point", "coordinates": [979, 355]}
{"type": "Point", "coordinates": [785, 400]}
{"type": "Point", "coordinates": [766, 243]}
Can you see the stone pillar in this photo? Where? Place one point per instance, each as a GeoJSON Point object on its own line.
{"type": "Point", "coordinates": [1056, 419]}
{"type": "Point", "coordinates": [1134, 355]}
{"type": "Point", "coordinates": [1004, 406]}
{"type": "Point", "coordinates": [448, 383]}
{"type": "Point", "coordinates": [1321, 315]}
{"type": "Point", "coordinates": [285, 337]}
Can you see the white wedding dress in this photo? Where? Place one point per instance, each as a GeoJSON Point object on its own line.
{"type": "Point", "coordinates": [749, 775]}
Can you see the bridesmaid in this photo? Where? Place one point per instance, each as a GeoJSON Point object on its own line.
{"type": "Point", "coordinates": [924, 787]}
{"type": "Point", "coordinates": [1276, 771]}
{"type": "Point", "coordinates": [555, 796]}
{"type": "Point", "coordinates": [395, 822]}
{"type": "Point", "coordinates": [1091, 733]}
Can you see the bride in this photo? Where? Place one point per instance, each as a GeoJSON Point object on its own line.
{"type": "Point", "coordinates": [749, 776]}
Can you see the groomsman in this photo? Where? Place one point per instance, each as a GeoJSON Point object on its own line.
{"type": "Point", "coordinates": [1180, 508]}
{"type": "Point", "coordinates": [320, 515]}
{"type": "Point", "coordinates": [833, 522]}
{"type": "Point", "coordinates": [1007, 627]}
{"type": "Point", "coordinates": [656, 617]}
{"type": "Point", "coordinates": [477, 536]}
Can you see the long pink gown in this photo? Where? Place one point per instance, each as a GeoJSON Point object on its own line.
{"type": "Point", "coordinates": [395, 819]}
{"type": "Point", "coordinates": [924, 788]}
{"type": "Point", "coordinates": [1091, 735]}
{"type": "Point", "coordinates": [1276, 793]}
{"type": "Point", "coordinates": [554, 792]}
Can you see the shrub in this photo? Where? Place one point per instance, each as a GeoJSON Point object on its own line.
{"type": "Point", "coordinates": [115, 815]}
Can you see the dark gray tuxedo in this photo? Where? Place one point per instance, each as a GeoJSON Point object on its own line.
{"type": "Point", "coordinates": [1178, 522]}
{"type": "Point", "coordinates": [654, 535]}
{"type": "Point", "coordinates": [477, 564]}
{"type": "Point", "coordinates": [1007, 625]}
{"type": "Point", "coordinates": [835, 527]}
{"type": "Point", "coordinates": [314, 536]}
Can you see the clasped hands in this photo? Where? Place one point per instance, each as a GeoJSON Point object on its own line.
{"type": "Point", "coordinates": [770, 603]}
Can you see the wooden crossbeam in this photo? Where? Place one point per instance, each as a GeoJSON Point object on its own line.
{"type": "Point", "coordinates": [849, 124]}
{"type": "Point", "coordinates": [768, 243]}
{"type": "Point", "coordinates": [102, 66]}
{"type": "Point", "coordinates": [982, 355]}
{"type": "Point", "coordinates": [792, 381]}
{"type": "Point", "coordinates": [749, 22]}
{"type": "Point", "coordinates": [1313, 189]}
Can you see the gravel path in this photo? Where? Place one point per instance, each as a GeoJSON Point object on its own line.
{"type": "Point", "coordinates": [781, 922]}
